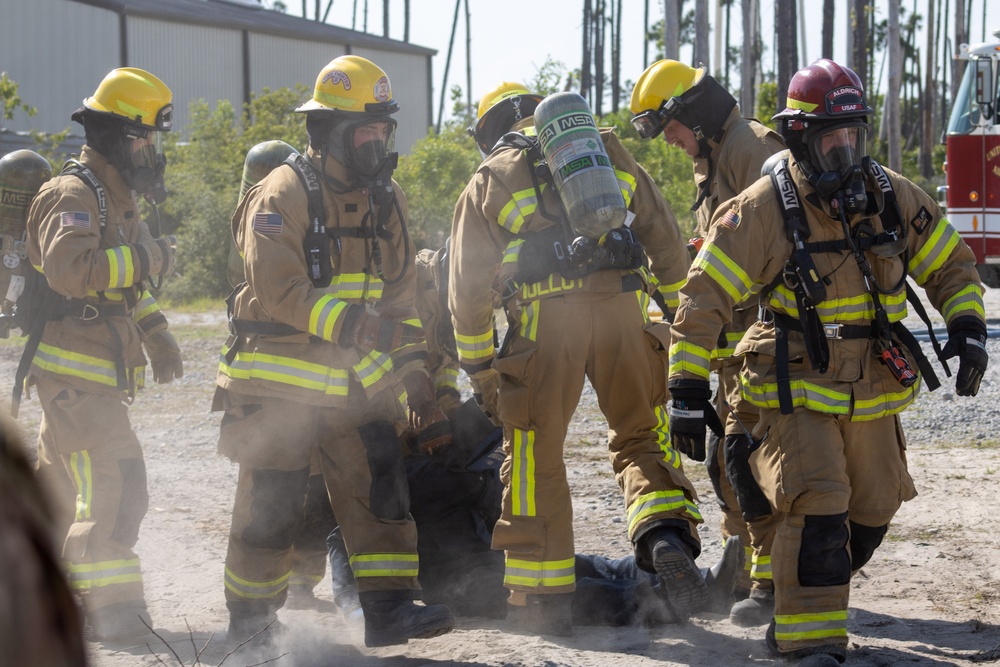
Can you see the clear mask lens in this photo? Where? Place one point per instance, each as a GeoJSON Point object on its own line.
{"type": "Point", "coordinates": [145, 151]}
{"type": "Point", "coordinates": [369, 144]}
{"type": "Point", "coordinates": [839, 149]}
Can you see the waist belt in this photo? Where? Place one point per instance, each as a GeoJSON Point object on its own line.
{"type": "Point", "coordinates": [832, 331]}
{"type": "Point", "coordinates": [241, 329]}
{"type": "Point", "coordinates": [80, 309]}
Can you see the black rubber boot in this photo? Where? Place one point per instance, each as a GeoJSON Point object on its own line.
{"type": "Point", "coordinates": [818, 656]}
{"type": "Point", "coordinates": [118, 623]}
{"type": "Point", "coordinates": [756, 610]}
{"type": "Point", "coordinates": [390, 622]}
{"type": "Point", "coordinates": [259, 625]}
{"type": "Point", "coordinates": [542, 615]}
{"type": "Point", "coordinates": [684, 588]}
{"type": "Point", "coordinates": [721, 578]}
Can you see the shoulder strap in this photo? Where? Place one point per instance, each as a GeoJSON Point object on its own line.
{"type": "Point", "coordinates": [78, 169]}
{"type": "Point", "coordinates": [316, 244]}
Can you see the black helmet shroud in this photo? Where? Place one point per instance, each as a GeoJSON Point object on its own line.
{"type": "Point", "coordinates": [704, 109]}
{"type": "Point", "coordinates": [113, 137]}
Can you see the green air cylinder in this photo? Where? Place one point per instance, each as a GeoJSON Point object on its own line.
{"type": "Point", "coordinates": [260, 161]}
{"type": "Point", "coordinates": [22, 173]}
{"type": "Point", "coordinates": [583, 174]}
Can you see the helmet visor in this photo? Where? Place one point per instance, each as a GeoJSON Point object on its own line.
{"type": "Point", "coordinates": [648, 123]}
{"type": "Point", "coordinates": [145, 151]}
{"type": "Point", "coordinates": [839, 148]}
{"type": "Point", "coordinates": [368, 145]}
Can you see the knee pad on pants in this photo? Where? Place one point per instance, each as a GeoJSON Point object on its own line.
{"type": "Point", "coordinates": [753, 502]}
{"type": "Point", "coordinates": [714, 469]}
{"type": "Point", "coordinates": [864, 541]}
{"type": "Point", "coordinates": [276, 503]}
{"type": "Point", "coordinates": [389, 496]}
{"type": "Point", "coordinates": [134, 502]}
{"type": "Point", "coordinates": [823, 556]}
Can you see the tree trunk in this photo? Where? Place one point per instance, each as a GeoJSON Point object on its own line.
{"type": "Point", "coordinates": [860, 41]}
{"type": "Point", "coordinates": [599, 23]}
{"type": "Point", "coordinates": [671, 29]}
{"type": "Point", "coordinates": [958, 66]}
{"type": "Point", "coordinates": [784, 19]}
{"type": "Point", "coordinates": [849, 34]}
{"type": "Point", "coordinates": [749, 57]}
{"type": "Point", "coordinates": [717, 41]}
{"type": "Point", "coordinates": [828, 16]}
{"type": "Point", "coordinates": [729, 6]}
{"type": "Point", "coordinates": [645, 34]}
{"type": "Point", "coordinates": [468, 57]}
{"type": "Point", "coordinates": [927, 143]}
{"type": "Point", "coordinates": [616, 55]}
{"type": "Point", "coordinates": [893, 131]}
{"type": "Point", "coordinates": [701, 53]}
{"type": "Point", "coordinates": [447, 66]}
{"type": "Point", "coordinates": [588, 20]}
{"type": "Point", "coordinates": [801, 39]}
{"type": "Point", "coordinates": [385, 18]}
{"type": "Point", "coordinates": [406, 19]}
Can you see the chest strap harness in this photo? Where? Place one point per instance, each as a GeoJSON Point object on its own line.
{"type": "Point", "coordinates": [809, 288]}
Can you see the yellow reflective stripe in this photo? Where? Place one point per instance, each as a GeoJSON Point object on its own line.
{"type": "Point", "coordinates": [75, 364]}
{"type": "Point", "coordinates": [522, 203]}
{"type": "Point", "coordinates": [884, 405]}
{"type": "Point", "coordinates": [285, 370]}
{"type": "Point", "coordinates": [353, 286]}
{"type": "Point", "coordinates": [966, 301]}
{"type": "Point", "coordinates": [512, 252]}
{"type": "Point", "coordinates": [659, 502]}
{"type": "Point", "coordinates": [83, 478]}
{"type": "Point", "coordinates": [446, 377]}
{"type": "Point", "coordinates": [324, 315]}
{"type": "Point", "coordinates": [384, 565]}
{"type": "Point", "coordinates": [121, 267]}
{"type": "Point", "coordinates": [147, 306]}
{"type": "Point", "coordinates": [662, 431]}
{"type": "Point", "coordinates": [747, 558]}
{"type": "Point", "coordinates": [254, 590]}
{"type": "Point", "coordinates": [540, 574]}
{"type": "Point", "coordinates": [724, 271]}
{"type": "Point", "coordinates": [529, 320]}
{"type": "Point", "coordinates": [687, 357]}
{"type": "Point", "coordinates": [804, 394]}
{"type": "Point", "coordinates": [671, 294]}
{"type": "Point", "coordinates": [87, 576]}
{"type": "Point", "coordinates": [822, 625]}
{"type": "Point", "coordinates": [554, 284]}
{"type": "Point", "coordinates": [843, 310]}
{"type": "Point", "coordinates": [372, 368]}
{"type": "Point", "coordinates": [476, 347]}
{"type": "Point", "coordinates": [935, 251]}
{"type": "Point", "coordinates": [522, 473]}
{"type": "Point", "coordinates": [626, 183]}
{"type": "Point", "coordinates": [732, 339]}
{"type": "Point", "coordinates": [761, 568]}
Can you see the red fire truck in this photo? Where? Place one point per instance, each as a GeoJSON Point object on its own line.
{"type": "Point", "coordinates": [972, 167]}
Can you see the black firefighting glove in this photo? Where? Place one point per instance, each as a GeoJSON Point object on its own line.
{"type": "Point", "coordinates": [967, 341]}
{"type": "Point", "coordinates": [486, 391]}
{"type": "Point", "coordinates": [689, 412]}
{"type": "Point", "coordinates": [425, 416]}
{"type": "Point", "coordinates": [369, 331]}
{"type": "Point", "coordinates": [164, 356]}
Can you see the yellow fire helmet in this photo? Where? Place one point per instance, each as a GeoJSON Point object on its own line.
{"type": "Point", "coordinates": [351, 84]}
{"type": "Point", "coordinates": [133, 95]}
{"type": "Point", "coordinates": [499, 109]}
{"type": "Point", "coordinates": [655, 95]}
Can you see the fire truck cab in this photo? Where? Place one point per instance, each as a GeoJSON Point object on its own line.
{"type": "Point", "coordinates": [972, 167]}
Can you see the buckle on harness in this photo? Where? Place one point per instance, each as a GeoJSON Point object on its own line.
{"type": "Point", "coordinates": [833, 330]}
{"type": "Point", "coordinates": [90, 312]}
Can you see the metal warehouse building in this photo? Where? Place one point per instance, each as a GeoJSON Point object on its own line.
{"type": "Point", "coordinates": [59, 50]}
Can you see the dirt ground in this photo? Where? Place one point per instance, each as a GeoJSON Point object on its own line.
{"type": "Point", "coordinates": [930, 596]}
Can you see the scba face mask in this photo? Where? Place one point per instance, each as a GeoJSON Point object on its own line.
{"type": "Point", "coordinates": [145, 163]}
{"type": "Point", "coordinates": [836, 153]}
{"type": "Point", "coordinates": [367, 145]}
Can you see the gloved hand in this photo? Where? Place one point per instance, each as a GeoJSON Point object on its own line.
{"type": "Point", "coordinates": [164, 357]}
{"type": "Point", "coordinates": [425, 417]}
{"type": "Point", "coordinates": [688, 413]}
{"type": "Point", "coordinates": [967, 341]}
{"type": "Point", "coordinates": [160, 251]}
{"type": "Point", "coordinates": [373, 332]}
{"type": "Point", "coordinates": [486, 391]}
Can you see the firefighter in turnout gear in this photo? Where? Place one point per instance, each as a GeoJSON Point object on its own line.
{"type": "Point", "coordinates": [699, 116]}
{"type": "Point", "coordinates": [828, 238]}
{"type": "Point", "coordinates": [85, 347]}
{"type": "Point", "coordinates": [561, 331]}
{"type": "Point", "coordinates": [326, 352]}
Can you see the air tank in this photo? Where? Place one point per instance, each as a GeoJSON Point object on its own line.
{"type": "Point", "coordinates": [259, 162]}
{"type": "Point", "coordinates": [583, 174]}
{"type": "Point", "coordinates": [22, 173]}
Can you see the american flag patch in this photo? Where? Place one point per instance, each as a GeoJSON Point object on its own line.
{"type": "Point", "coordinates": [75, 219]}
{"type": "Point", "coordinates": [267, 223]}
{"type": "Point", "coordinates": [730, 221]}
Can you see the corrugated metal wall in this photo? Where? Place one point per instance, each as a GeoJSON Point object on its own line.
{"type": "Point", "coordinates": [57, 52]}
{"type": "Point", "coordinates": [196, 62]}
